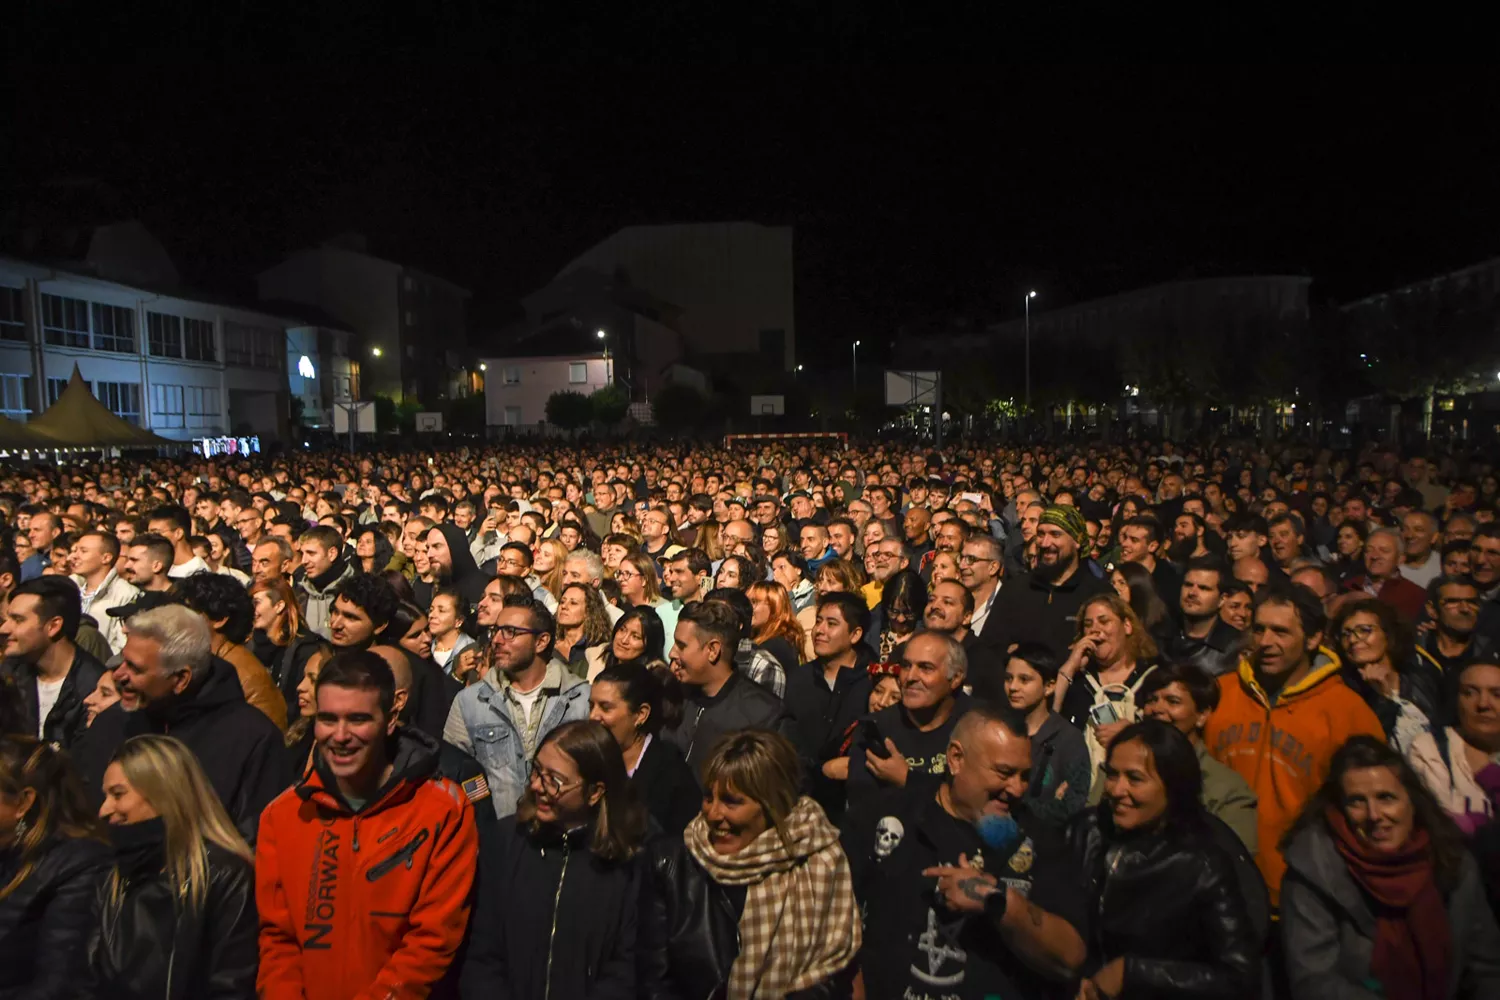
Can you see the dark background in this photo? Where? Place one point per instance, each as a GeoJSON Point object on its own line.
{"type": "Point", "coordinates": [918, 194]}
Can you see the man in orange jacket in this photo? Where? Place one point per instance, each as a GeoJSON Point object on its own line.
{"type": "Point", "coordinates": [1283, 714]}
{"type": "Point", "coordinates": [364, 869]}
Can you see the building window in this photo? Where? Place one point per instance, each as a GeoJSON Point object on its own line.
{"type": "Point", "coordinates": [122, 398]}
{"type": "Point", "coordinates": [166, 406]}
{"type": "Point", "coordinates": [512, 416]}
{"type": "Point", "coordinates": [65, 322]}
{"type": "Point", "coordinates": [164, 334]}
{"type": "Point", "coordinates": [578, 372]}
{"type": "Point", "coordinates": [252, 346]}
{"type": "Point", "coordinates": [511, 376]}
{"type": "Point", "coordinates": [202, 406]}
{"type": "Point", "coordinates": [12, 314]}
{"type": "Point", "coordinates": [55, 387]}
{"type": "Point", "coordinates": [14, 391]}
{"type": "Point", "coordinates": [198, 340]}
{"type": "Point", "coordinates": [114, 329]}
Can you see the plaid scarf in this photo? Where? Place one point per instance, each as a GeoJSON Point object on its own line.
{"type": "Point", "coordinates": [801, 925]}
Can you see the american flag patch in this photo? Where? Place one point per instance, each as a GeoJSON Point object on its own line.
{"type": "Point", "coordinates": [476, 788]}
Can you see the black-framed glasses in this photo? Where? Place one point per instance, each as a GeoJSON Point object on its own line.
{"type": "Point", "coordinates": [509, 632]}
{"type": "Point", "coordinates": [551, 783]}
{"type": "Point", "coordinates": [1357, 632]}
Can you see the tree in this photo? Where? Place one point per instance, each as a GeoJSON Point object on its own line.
{"type": "Point", "coordinates": [569, 410]}
{"type": "Point", "coordinates": [610, 404]}
{"type": "Point", "coordinates": [678, 407]}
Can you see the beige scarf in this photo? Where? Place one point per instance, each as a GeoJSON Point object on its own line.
{"type": "Point", "coordinates": [801, 925]}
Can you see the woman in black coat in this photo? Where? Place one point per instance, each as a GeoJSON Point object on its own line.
{"type": "Point", "coordinates": [1170, 913]}
{"type": "Point", "coordinates": [177, 917]}
{"type": "Point", "coordinates": [630, 701]}
{"type": "Point", "coordinates": [568, 853]}
{"type": "Point", "coordinates": [52, 861]}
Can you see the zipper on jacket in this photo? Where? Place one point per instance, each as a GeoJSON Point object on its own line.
{"type": "Point", "coordinates": [405, 856]}
{"type": "Point", "coordinates": [556, 906]}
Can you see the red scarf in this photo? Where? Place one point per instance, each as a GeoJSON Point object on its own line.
{"type": "Point", "coordinates": [1412, 941]}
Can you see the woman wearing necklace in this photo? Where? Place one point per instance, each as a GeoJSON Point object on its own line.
{"type": "Point", "coordinates": [630, 700]}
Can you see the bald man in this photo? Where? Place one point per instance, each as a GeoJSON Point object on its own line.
{"type": "Point", "coordinates": [453, 763]}
{"type": "Point", "coordinates": [1252, 572]}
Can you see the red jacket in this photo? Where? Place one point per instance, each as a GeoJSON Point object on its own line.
{"type": "Point", "coordinates": [369, 905]}
{"type": "Point", "coordinates": [1404, 597]}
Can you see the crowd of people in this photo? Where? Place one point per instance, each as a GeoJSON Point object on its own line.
{"type": "Point", "coordinates": [554, 720]}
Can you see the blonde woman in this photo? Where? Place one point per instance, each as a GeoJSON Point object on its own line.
{"type": "Point", "coordinates": [177, 916]}
{"type": "Point", "coordinates": [760, 841]}
{"type": "Point", "coordinates": [547, 563]}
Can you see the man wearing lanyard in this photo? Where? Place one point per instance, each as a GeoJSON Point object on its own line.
{"type": "Point", "coordinates": [980, 564]}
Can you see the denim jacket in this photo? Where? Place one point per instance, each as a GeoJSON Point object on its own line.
{"type": "Point", "coordinates": [482, 723]}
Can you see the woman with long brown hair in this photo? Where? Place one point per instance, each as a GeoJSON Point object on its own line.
{"type": "Point", "coordinates": [281, 640]}
{"type": "Point", "coordinates": [775, 628]}
{"type": "Point", "coordinates": [572, 842]}
{"type": "Point", "coordinates": [636, 576]}
{"type": "Point", "coordinates": [1380, 897]}
{"type": "Point", "coordinates": [583, 630]}
{"type": "Point", "coordinates": [177, 917]}
{"type": "Point", "coordinates": [548, 558]}
{"type": "Point", "coordinates": [53, 859]}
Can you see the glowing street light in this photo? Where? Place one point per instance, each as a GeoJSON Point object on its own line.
{"type": "Point", "coordinates": [1029, 297]}
{"type": "Point", "coordinates": [483, 367]}
{"type": "Point", "coordinates": [376, 351]}
{"type": "Point", "coordinates": [854, 353]}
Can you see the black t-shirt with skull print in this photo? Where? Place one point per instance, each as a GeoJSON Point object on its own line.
{"type": "Point", "coordinates": [915, 948]}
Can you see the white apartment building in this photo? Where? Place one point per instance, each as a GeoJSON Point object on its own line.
{"type": "Point", "coordinates": [183, 366]}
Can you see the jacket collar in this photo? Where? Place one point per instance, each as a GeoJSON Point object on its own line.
{"type": "Point", "coordinates": [1325, 665]}
{"type": "Point", "coordinates": [414, 758]}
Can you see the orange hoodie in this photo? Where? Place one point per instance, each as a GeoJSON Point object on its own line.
{"type": "Point", "coordinates": [1282, 749]}
{"type": "Point", "coordinates": [367, 905]}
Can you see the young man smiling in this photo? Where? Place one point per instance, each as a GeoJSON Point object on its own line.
{"type": "Point", "coordinates": [341, 919]}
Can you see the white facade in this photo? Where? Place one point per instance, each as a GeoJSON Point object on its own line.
{"type": "Point", "coordinates": [516, 390]}
{"type": "Point", "coordinates": [181, 367]}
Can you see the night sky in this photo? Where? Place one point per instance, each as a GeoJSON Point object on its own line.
{"type": "Point", "coordinates": [917, 196]}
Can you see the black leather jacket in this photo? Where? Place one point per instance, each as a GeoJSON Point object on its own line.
{"type": "Point", "coordinates": [689, 933]}
{"type": "Point", "coordinates": [46, 920]}
{"type": "Point", "coordinates": [1173, 905]}
{"type": "Point", "coordinates": [148, 944]}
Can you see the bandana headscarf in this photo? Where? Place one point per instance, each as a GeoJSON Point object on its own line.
{"type": "Point", "coordinates": [1069, 519]}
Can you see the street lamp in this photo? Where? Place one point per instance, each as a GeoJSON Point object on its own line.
{"type": "Point", "coordinates": [854, 356]}
{"type": "Point", "coordinates": [376, 351]}
{"type": "Point", "coordinates": [605, 337]}
{"type": "Point", "coordinates": [795, 372]}
{"type": "Point", "coordinates": [1029, 297]}
{"type": "Point", "coordinates": [483, 367]}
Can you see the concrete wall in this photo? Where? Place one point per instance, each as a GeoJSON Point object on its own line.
{"type": "Point", "coordinates": [732, 280]}
{"type": "Point", "coordinates": [539, 379]}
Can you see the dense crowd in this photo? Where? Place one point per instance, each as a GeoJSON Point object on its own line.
{"type": "Point", "coordinates": [1214, 720]}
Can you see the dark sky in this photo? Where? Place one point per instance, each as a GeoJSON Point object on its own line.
{"type": "Point", "coordinates": [917, 195]}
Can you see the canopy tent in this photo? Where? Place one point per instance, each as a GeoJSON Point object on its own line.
{"type": "Point", "coordinates": [15, 435]}
{"type": "Point", "coordinates": [77, 419]}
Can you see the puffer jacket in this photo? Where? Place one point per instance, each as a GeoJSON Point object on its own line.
{"type": "Point", "coordinates": [46, 920]}
{"type": "Point", "coordinates": [150, 942]}
{"type": "Point", "coordinates": [1188, 917]}
{"type": "Point", "coordinates": [369, 903]}
{"type": "Point", "coordinates": [112, 593]}
{"type": "Point", "coordinates": [1328, 926]}
{"type": "Point", "coordinates": [286, 664]}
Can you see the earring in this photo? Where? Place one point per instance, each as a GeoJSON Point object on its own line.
{"type": "Point", "coordinates": [20, 827]}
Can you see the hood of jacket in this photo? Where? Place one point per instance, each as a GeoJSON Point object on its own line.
{"type": "Point", "coordinates": [413, 757]}
{"type": "Point", "coordinates": [1326, 666]}
{"type": "Point", "coordinates": [458, 550]}
{"type": "Point", "coordinates": [320, 585]}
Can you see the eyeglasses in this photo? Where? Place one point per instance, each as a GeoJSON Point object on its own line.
{"type": "Point", "coordinates": [509, 632]}
{"type": "Point", "coordinates": [627, 576]}
{"type": "Point", "coordinates": [966, 559]}
{"type": "Point", "coordinates": [551, 783]}
{"type": "Point", "coordinates": [1357, 632]}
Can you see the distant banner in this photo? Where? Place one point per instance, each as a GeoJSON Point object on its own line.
{"type": "Point", "coordinates": [209, 447]}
